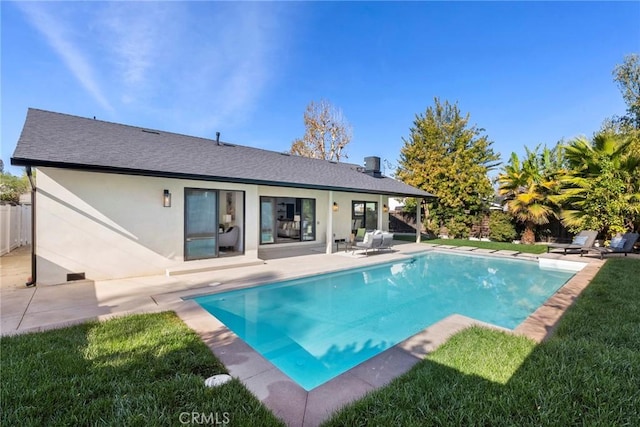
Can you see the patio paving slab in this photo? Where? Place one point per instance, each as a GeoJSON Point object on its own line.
{"type": "Point", "coordinates": [484, 251]}
{"type": "Point", "coordinates": [507, 252]}
{"type": "Point", "coordinates": [527, 255]}
{"type": "Point", "coordinates": [333, 395]}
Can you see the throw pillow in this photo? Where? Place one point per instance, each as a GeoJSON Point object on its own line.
{"type": "Point", "coordinates": [367, 237]}
{"type": "Point", "coordinates": [617, 243]}
{"type": "Point", "coordinates": [579, 240]}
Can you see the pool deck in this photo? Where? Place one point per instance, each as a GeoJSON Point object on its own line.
{"type": "Point", "coordinates": [40, 308]}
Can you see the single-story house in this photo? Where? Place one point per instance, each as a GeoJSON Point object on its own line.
{"type": "Point", "coordinates": [114, 201]}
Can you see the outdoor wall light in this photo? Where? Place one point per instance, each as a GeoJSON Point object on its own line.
{"type": "Point", "coordinates": [335, 207]}
{"type": "Point", "coordinates": [385, 208]}
{"type": "Point", "coordinates": [166, 199]}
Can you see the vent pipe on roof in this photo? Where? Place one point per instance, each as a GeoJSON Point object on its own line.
{"type": "Point", "coordinates": [372, 166]}
{"type": "Point", "coordinates": [218, 138]}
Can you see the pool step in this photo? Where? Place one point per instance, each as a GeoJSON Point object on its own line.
{"type": "Point", "coordinates": [212, 265]}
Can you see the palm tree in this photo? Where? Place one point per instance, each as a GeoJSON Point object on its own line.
{"type": "Point", "coordinates": [601, 190]}
{"type": "Point", "coordinates": [527, 188]}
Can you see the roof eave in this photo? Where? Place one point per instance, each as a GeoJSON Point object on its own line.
{"type": "Point", "coordinates": [19, 161]}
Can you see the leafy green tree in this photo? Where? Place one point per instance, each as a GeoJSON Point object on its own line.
{"type": "Point", "coordinates": [327, 133]}
{"type": "Point", "coordinates": [501, 228]}
{"type": "Point", "coordinates": [627, 76]}
{"type": "Point", "coordinates": [527, 187]}
{"type": "Point", "coordinates": [600, 190]}
{"type": "Point", "coordinates": [449, 158]}
{"type": "Point", "coordinates": [11, 187]}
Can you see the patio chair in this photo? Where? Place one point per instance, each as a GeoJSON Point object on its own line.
{"type": "Point", "coordinates": [355, 238]}
{"type": "Point", "coordinates": [387, 241]}
{"type": "Point", "coordinates": [360, 232]}
{"type": "Point", "coordinates": [372, 240]}
{"type": "Point", "coordinates": [621, 244]}
{"type": "Point", "coordinates": [583, 240]}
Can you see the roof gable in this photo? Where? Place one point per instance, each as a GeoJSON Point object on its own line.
{"type": "Point", "coordinates": [66, 141]}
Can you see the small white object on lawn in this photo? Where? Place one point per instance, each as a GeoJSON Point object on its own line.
{"type": "Point", "coordinates": [217, 380]}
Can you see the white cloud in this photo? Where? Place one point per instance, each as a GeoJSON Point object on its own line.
{"type": "Point", "coordinates": [137, 34]}
{"type": "Point", "coordinates": [217, 64]}
{"type": "Point", "coordinates": [57, 35]}
{"type": "Point", "coordinates": [194, 67]}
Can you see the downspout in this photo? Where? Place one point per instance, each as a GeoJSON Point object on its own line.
{"type": "Point", "coordinates": [33, 279]}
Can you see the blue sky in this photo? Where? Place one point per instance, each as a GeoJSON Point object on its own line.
{"type": "Point", "coordinates": [527, 72]}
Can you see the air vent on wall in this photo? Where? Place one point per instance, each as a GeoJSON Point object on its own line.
{"type": "Point", "coordinates": [75, 276]}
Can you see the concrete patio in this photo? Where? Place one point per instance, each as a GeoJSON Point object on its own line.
{"type": "Point", "coordinates": [39, 308]}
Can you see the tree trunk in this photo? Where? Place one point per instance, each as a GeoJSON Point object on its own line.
{"type": "Point", "coordinates": [528, 236]}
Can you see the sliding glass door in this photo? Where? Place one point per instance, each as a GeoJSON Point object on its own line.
{"type": "Point", "coordinates": [364, 215]}
{"type": "Point", "coordinates": [201, 223]}
{"type": "Point", "coordinates": [287, 220]}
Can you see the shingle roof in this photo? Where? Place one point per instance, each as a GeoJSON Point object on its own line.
{"type": "Point", "coordinates": [65, 141]}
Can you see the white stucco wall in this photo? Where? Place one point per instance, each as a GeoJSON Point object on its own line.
{"type": "Point", "coordinates": [115, 226]}
{"type": "Point", "coordinates": [342, 218]}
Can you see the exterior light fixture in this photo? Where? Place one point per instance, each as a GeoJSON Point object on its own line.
{"type": "Point", "coordinates": [385, 208]}
{"type": "Point", "coordinates": [335, 207]}
{"type": "Point", "coordinates": [166, 199]}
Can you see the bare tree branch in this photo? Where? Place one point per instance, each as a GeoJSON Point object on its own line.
{"type": "Point", "coordinates": [327, 133]}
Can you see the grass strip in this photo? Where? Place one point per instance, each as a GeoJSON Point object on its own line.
{"type": "Point", "coordinates": [586, 374]}
{"type": "Point", "coordinates": [140, 370]}
{"type": "Point", "coordinates": [531, 249]}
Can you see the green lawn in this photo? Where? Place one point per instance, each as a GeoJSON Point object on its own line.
{"type": "Point", "coordinates": [147, 370]}
{"type": "Point", "coordinates": [531, 249]}
{"type": "Point", "coordinates": [587, 374]}
{"type": "Point", "coordinates": [142, 370]}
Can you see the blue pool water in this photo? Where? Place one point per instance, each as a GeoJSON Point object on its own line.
{"type": "Point", "coordinates": [316, 328]}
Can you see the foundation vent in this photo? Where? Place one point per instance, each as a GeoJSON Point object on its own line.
{"type": "Point", "coordinates": [75, 276]}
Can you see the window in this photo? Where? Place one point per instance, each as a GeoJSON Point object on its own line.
{"type": "Point", "coordinates": [364, 215]}
{"type": "Point", "coordinates": [287, 219]}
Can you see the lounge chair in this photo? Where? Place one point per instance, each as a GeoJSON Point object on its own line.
{"type": "Point", "coordinates": [621, 244]}
{"type": "Point", "coordinates": [583, 240]}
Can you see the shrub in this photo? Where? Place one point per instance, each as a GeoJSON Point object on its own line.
{"type": "Point", "coordinates": [458, 228]}
{"type": "Point", "coordinates": [501, 228]}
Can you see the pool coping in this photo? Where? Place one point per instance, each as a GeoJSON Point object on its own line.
{"type": "Point", "coordinates": [298, 407]}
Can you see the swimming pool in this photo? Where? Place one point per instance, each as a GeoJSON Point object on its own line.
{"type": "Point", "coordinates": [316, 328]}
